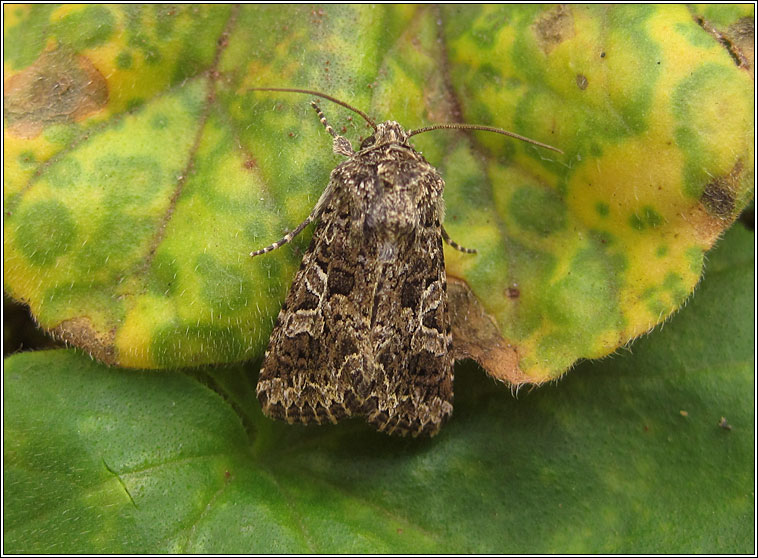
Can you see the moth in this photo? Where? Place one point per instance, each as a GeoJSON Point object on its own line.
{"type": "Point", "coordinates": [365, 330]}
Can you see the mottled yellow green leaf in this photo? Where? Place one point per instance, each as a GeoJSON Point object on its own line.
{"type": "Point", "coordinates": [141, 168]}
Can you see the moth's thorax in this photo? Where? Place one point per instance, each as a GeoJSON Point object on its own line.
{"type": "Point", "coordinates": [391, 189]}
{"type": "Point", "coordinates": [389, 146]}
{"type": "Point", "coordinates": [389, 132]}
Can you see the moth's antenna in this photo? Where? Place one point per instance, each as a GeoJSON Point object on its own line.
{"type": "Point", "coordinates": [323, 96]}
{"type": "Point", "coordinates": [486, 129]}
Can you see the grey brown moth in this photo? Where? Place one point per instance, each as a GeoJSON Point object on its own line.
{"type": "Point", "coordinates": [365, 330]}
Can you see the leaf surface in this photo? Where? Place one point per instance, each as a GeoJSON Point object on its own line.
{"type": "Point", "coordinates": [625, 455]}
{"type": "Point", "coordinates": [141, 169]}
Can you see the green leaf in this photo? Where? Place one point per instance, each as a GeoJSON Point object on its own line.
{"type": "Point", "coordinates": [626, 455]}
{"type": "Point", "coordinates": [141, 169]}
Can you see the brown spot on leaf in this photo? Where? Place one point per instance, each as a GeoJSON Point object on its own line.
{"type": "Point", "coordinates": [581, 81]}
{"type": "Point", "coordinates": [476, 336]}
{"type": "Point", "coordinates": [737, 39]}
{"type": "Point", "coordinates": [742, 36]}
{"type": "Point", "coordinates": [554, 27]}
{"type": "Point", "coordinates": [720, 194]}
{"type": "Point", "coordinates": [512, 292]}
{"type": "Point", "coordinates": [705, 228]}
{"type": "Point", "coordinates": [60, 87]}
{"type": "Point", "coordinates": [80, 333]}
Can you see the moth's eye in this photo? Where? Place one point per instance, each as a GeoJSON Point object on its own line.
{"type": "Point", "coordinates": [368, 142]}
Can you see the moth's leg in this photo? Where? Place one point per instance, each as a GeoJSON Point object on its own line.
{"type": "Point", "coordinates": [451, 242]}
{"type": "Point", "coordinates": [289, 236]}
{"type": "Point", "coordinates": [341, 144]}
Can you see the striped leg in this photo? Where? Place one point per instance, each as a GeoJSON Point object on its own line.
{"type": "Point", "coordinates": [312, 217]}
{"type": "Point", "coordinates": [341, 147]}
{"type": "Point", "coordinates": [282, 241]}
{"type": "Point", "coordinates": [341, 144]}
{"type": "Point", "coordinates": [451, 242]}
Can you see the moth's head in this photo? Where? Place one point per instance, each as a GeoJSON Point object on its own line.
{"type": "Point", "coordinates": [386, 132]}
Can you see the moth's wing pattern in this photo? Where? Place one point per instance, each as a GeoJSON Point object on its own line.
{"type": "Point", "coordinates": [319, 349]}
{"type": "Point", "coordinates": [365, 329]}
{"type": "Point", "coordinates": [411, 336]}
